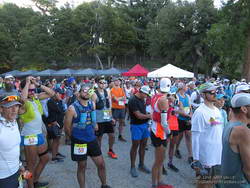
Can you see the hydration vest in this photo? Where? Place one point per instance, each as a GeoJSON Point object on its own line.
{"type": "Point", "coordinates": [102, 102]}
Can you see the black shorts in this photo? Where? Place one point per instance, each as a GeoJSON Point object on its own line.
{"type": "Point", "coordinates": [118, 113]}
{"type": "Point", "coordinates": [105, 127]}
{"type": "Point", "coordinates": [54, 131]}
{"type": "Point", "coordinates": [184, 125]}
{"type": "Point", "coordinates": [10, 182]}
{"type": "Point", "coordinates": [92, 149]}
{"type": "Point", "coordinates": [157, 142]}
{"type": "Point", "coordinates": [174, 133]}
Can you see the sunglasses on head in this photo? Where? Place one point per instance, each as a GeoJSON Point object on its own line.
{"type": "Point", "coordinates": [11, 98]}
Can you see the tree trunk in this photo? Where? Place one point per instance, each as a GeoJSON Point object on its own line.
{"type": "Point", "coordinates": [246, 66]}
{"type": "Point", "coordinates": [113, 61]}
{"type": "Point", "coordinates": [99, 61]}
{"type": "Point", "coordinates": [109, 61]}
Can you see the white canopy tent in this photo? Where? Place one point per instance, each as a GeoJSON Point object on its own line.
{"type": "Point", "coordinates": [170, 70]}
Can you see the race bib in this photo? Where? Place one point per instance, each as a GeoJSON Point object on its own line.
{"type": "Point", "coordinates": [126, 101]}
{"type": "Point", "coordinates": [30, 140]}
{"type": "Point", "coordinates": [187, 110]}
{"type": "Point", "coordinates": [80, 149]}
{"type": "Point", "coordinates": [121, 103]}
{"type": "Point", "coordinates": [106, 114]}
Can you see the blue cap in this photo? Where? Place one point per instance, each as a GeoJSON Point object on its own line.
{"type": "Point", "coordinates": [220, 96]}
{"type": "Point", "coordinates": [71, 80]}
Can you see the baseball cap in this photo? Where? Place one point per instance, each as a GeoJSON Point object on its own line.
{"type": "Point", "coordinates": [145, 90]}
{"type": "Point", "coordinates": [207, 87]}
{"type": "Point", "coordinates": [165, 85]}
{"type": "Point", "coordinates": [181, 85]}
{"type": "Point", "coordinates": [197, 83]}
{"type": "Point", "coordinates": [7, 99]}
{"type": "Point", "coordinates": [115, 79]}
{"type": "Point", "coordinates": [242, 88]}
{"type": "Point", "coordinates": [8, 76]}
{"type": "Point", "coordinates": [70, 80]}
{"type": "Point", "coordinates": [220, 96]}
{"type": "Point", "coordinates": [240, 99]}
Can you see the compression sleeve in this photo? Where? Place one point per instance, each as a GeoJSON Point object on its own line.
{"type": "Point", "coordinates": [196, 144]}
{"type": "Point", "coordinates": [164, 122]}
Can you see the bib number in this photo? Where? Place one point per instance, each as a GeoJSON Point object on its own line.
{"type": "Point", "coordinates": [106, 114]}
{"type": "Point", "coordinates": [80, 149]}
{"type": "Point", "coordinates": [187, 110]}
{"type": "Point", "coordinates": [30, 140]}
{"type": "Point", "coordinates": [121, 103]}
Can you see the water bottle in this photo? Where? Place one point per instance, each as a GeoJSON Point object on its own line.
{"type": "Point", "coordinates": [82, 122]}
{"type": "Point", "coordinates": [93, 117]}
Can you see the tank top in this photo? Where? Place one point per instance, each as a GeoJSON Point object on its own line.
{"type": "Point", "coordinates": [231, 162]}
{"type": "Point", "coordinates": [157, 127]}
{"type": "Point", "coordinates": [35, 125]}
{"type": "Point", "coordinates": [186, 106]}
{"type": "Point", "coordinates": [83, 131]}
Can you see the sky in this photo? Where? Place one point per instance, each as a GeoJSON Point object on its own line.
{"type": "Point", "coordinates": [28, 3]}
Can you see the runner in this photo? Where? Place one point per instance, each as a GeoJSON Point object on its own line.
{"type": "Point", "coordinates": [235, 168]}
{"type": "Point", "coordinates": [9, 141]}
{"type": "Point", "coordinates": [160, 130]}
{"type": "Point", "coordinates": [105, 122]}
{"type": "Point", "coordinates": [207, 128]}
{"type": "Point", "coordinates": [32, 137]}
{"type": "Point", "coordinates": [118, 106]}
{"type": "Point", "coordinates": [139, 129]}
{"type": "Point", "coordinates": [80, 124]}
{"type": "Point", "coordinates": [220, 102]}
{"type": "Point", "coordinates": [184, 117]}
{"type": "Point", "coordinates": [196, 100]}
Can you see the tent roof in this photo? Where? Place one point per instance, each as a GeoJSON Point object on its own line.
{"type": "Point", "coordinates": [170, 71]}
{"type": "Point", "coordinates": [13, 73]}
{"type": "Point", "coordinates": [111, 71]}
{"type": "Point", "coordinates": [64, 72]}
{"type": "Point", "coordinates": [137, 70]}
{"type": "Point", "coordinates": [48, 72]}
{"type": "Point", "coordinates": [85, 72]}
{"type": "Point", "coordinates": [26, 73]}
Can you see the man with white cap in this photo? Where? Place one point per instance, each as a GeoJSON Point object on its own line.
{"type": "Point", "coordinates": [9, 140]}
{"type": "Point", "coordinates": [139, 128]}
{"type": "Point", "coordinates": [243, 89]}
{"type": "Point", "coordinates": [207, 128]}
{"type": "Point", "coordinates": [235, 167]}
{"type": "Point", "coordinates": [160, 129]}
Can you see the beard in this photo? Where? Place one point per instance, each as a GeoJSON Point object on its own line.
{"type": "Point", "coordinates": [84, 98]}
{"type": "Point", "coordinates": [9, 87]}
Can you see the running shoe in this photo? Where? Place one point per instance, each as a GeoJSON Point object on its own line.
{"type": "Point", "coordinates": [172, 167]}
{"type": "Point", "coordinates": [144, 169]}
{"type": "Point", "coordinates": [133, 172]}
{"type": "Point", "coordinates": [105, 186]}
{"type": "Point", "coordinates": [112, 155]}
{"type": "Point", "coordinates": [122, 139]}
{"type": "Point", "coordinates": [178, 154]}
{"type": "Point", "coordinates": [57, 160]}
{"type": "Point", "coordinates": [164, 171]}
{"type": "Point", "coordinates": [59, 155]}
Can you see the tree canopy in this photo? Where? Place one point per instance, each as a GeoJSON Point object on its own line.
{"type": "Point", "coordinates": [102, 34]}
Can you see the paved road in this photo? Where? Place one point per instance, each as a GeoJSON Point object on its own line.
{"type": "Point", "coordinates": [63, 175]}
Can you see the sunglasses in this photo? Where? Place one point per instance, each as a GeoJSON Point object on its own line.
{"type": "Point", "coordinates": [211, 93]}
{"type": "Point", "coordinates": [101, 82]}
{"type": "Point", "coordinates": [11, 98]}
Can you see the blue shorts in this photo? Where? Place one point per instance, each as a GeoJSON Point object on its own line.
{"type": "Point", "coordinates": [33, 140]}
{"type": "Point", "coordinates": [139, 132]}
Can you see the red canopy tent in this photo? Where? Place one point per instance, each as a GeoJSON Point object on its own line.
{"type": "Point", "coordinates": [137, 70]}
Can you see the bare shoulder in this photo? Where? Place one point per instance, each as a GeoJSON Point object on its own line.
{"type": "Point", "coordinates": [240, 135]}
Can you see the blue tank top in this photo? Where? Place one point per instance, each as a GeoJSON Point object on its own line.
{"type": "Point", "coordinates": [185, 103]}
{"type": "Point", "coordinates": [83, 128]}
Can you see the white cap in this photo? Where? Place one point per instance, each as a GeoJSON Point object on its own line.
{"type": "Point", "coordinates": [146, 90]}
{"type": "Point", "coordinates": [240, 99]}
{"type": "Point", "coordinates": [8, 76]}
{"type": "Point", "coordinates": [165, 85]}
{"type": "Point", "coordinates": [241, 88]}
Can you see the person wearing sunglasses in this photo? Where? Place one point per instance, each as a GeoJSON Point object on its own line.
{"type": "Point", "coordinates": [80, 125]}
{"type": "Point", "coordinates": [207, 128]}
{"type": "Point", "coordinates": [104, 118]}
{"type": "Point", "coordinates": [235, 167]}
{"type": "Point", "coordinates": [32, 136]}
{"type": "Point", "coordinates": [9, 148]}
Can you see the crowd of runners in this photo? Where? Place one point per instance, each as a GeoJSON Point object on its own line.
{"type": "Point", "coordinates": [212, 115]}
